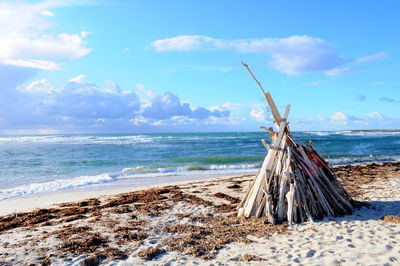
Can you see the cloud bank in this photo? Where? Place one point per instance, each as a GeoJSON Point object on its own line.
{"type": "Point", "coordinates": [86, 107]}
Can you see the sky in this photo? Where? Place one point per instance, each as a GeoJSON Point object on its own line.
{"type": "Point", "coordinates": [142, 66]}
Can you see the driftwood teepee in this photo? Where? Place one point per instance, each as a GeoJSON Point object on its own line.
{"type": "Point", "coordinates": [294, 184]}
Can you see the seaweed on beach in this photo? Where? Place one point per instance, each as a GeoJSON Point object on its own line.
{"type": "Point", "coordinates": [84, 240]}
{"type": "Point", "coordinates": [394, 219]}
{"type": "Point", "coordinates": [72, 218]}
{"type": "Point", "coordinates": [122, 209]}
{"type": "Point", "coordinates": [129, 233]}
{"type": "Point", "coordinates": [84, 243]}
{"type": "Point", "coordinates": [225, 208]}
{"type": "Point", "coordinates": [250, 257]}
{"type": "Point", "coordinates": [113, 228]}
{"type": "Point", "coordinates": [150, 253]}
{"type": "Point", "coordinates": [109, 253]}
{"type": "Point", "coordinates": [203, 241]}
{"type": "Point", "coordinates": [186, 197]}
{"type": "Point", "coordinates": [353, 177]}
{"type": "Point", "coordinates": [66, 232]}
{"type": "Point", "coordinates": [149, 202]}
{"type": "Point", "coordinates": [232, 200]}
{"type": "Point", "coordinates": [143, 196]}
{"type": "Point", "coordinates": [84, 203]}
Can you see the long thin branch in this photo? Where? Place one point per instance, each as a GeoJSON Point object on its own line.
{"type": "Point", "coordinates": [267, 95]}
{"type": "Point", "coordinates": [251, 73]}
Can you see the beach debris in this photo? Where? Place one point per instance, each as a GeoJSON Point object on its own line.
{"type": "Point", "coordinates": [121, 226]}
{"type": "Point", "coordinates": [394, 219]}
{"type": "Point", "coordinates": [295, 183]}
{"type": "Point", "coordinates": [151, 253]}
{"type": "Point", "coordinates": [251, 257]}
{"type": "Point", "coordinates": [211, 233]}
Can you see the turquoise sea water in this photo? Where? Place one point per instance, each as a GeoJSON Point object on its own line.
{"type": "Point", "coordinates": [33, 164]}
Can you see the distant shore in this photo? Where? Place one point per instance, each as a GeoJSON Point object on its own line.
{"type": "Point", "coordinates": [374, 130]}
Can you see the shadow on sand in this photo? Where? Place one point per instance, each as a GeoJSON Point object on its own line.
{"type": "Point", "coordinates": [372, 210]}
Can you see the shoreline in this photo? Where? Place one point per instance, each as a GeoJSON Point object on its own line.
{"type": "Point", "coordinates": [195, 222]}
{"type": "Point", "coordinates": [32, 201]}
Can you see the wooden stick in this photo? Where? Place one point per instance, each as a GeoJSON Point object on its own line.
{"type": "Point", "coordinates": [273, 108]}
{"type": "Point", "coordinates": [267, 96]}
{"type": "Point", "coordinates": [290, 200]}
{"type": "Point", "coordinates": [267, 168]}
{"type": "Point", "coordinates": [251, 73]}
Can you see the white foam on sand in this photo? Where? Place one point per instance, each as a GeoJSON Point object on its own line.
{"type": "Point", "coordinates": [128, 177]}
{"type": "Point", "coordinates": [55, 185]}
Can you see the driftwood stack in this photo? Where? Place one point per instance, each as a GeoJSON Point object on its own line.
{"type": "Point", "coordinates": [294, 184]}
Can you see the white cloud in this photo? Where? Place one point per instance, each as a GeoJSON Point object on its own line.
{"type": "Point", "coordinates": [151, 94]}
{"type": "Point", "coordinates": [169, 105]}
{"type": "Point", "coordinates": [32, 63]}
{"type": "Point", "coordinates": [41, 86]}
{"type": "Point", "coordinates": [24, 41]}
{"type": "Point", "coordinates": [139, 86]}
{"type": "Point", "coordinates": [343, 121]}
{"type": "Point", "coordinates": [184, 43]}
{"type": "Point", "coordinates": [82, 106]}
{"type": "Point", "coordinates": [374, 57]}
{"type": "Point", "coordinates": [258, 114]}
{"type": "Point", "coordinates": [375, 115]}
{"type": "Point", "coordinates": [340, 117]}
{"type": "Point", "coordinates": [47, 13]}
{"type": "Point", "coordinates": [293, 55]}
{"type": "Point", "coordinates": [138, 121]}
{"type": "Point", "coordinates": [338, 71]}
{"type": "Point", "coordinates": [78, 79]}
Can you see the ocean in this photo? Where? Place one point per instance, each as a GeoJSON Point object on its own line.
{"type": "Point", "coordinates": [42, 163]}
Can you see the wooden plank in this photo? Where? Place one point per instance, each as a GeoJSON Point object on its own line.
{"type": "Point", "coordinates": [266, 169]}
{"type": "Point", "coordinates": [286, 113]}
{"type": "Point", "coordinates": [290, 201]}
{"type": "Point", "coordinates": [282, 190]}
{"type": "Point", "coordinates": [272, 107]}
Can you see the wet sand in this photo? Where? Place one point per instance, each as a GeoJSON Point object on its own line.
{"type": "Point", "coordinates": [195, 223]}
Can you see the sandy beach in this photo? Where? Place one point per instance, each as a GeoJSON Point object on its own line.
{"type": "Point", "coordinates": [195, 223]}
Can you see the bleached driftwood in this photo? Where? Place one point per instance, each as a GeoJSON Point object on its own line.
{"type": "Point", "coordinates": [294, 183]}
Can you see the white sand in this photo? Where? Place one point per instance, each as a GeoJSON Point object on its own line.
{"type": "Point", "coordinates": [358, 239]}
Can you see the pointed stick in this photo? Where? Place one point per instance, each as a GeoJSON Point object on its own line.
{"type": "Point", "coordinates": [267, 96]}
{"type": "Point", "coordinates": [251, 73]}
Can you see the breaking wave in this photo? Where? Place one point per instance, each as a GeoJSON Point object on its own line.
{"type": "Point", "coordinates": [55, 185]}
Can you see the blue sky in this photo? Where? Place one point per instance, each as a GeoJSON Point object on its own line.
{"type": "Point", "coordinates": [174, 66]}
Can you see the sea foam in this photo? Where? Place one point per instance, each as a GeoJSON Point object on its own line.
{"type": "Point", "coordinates": [55, 185]}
